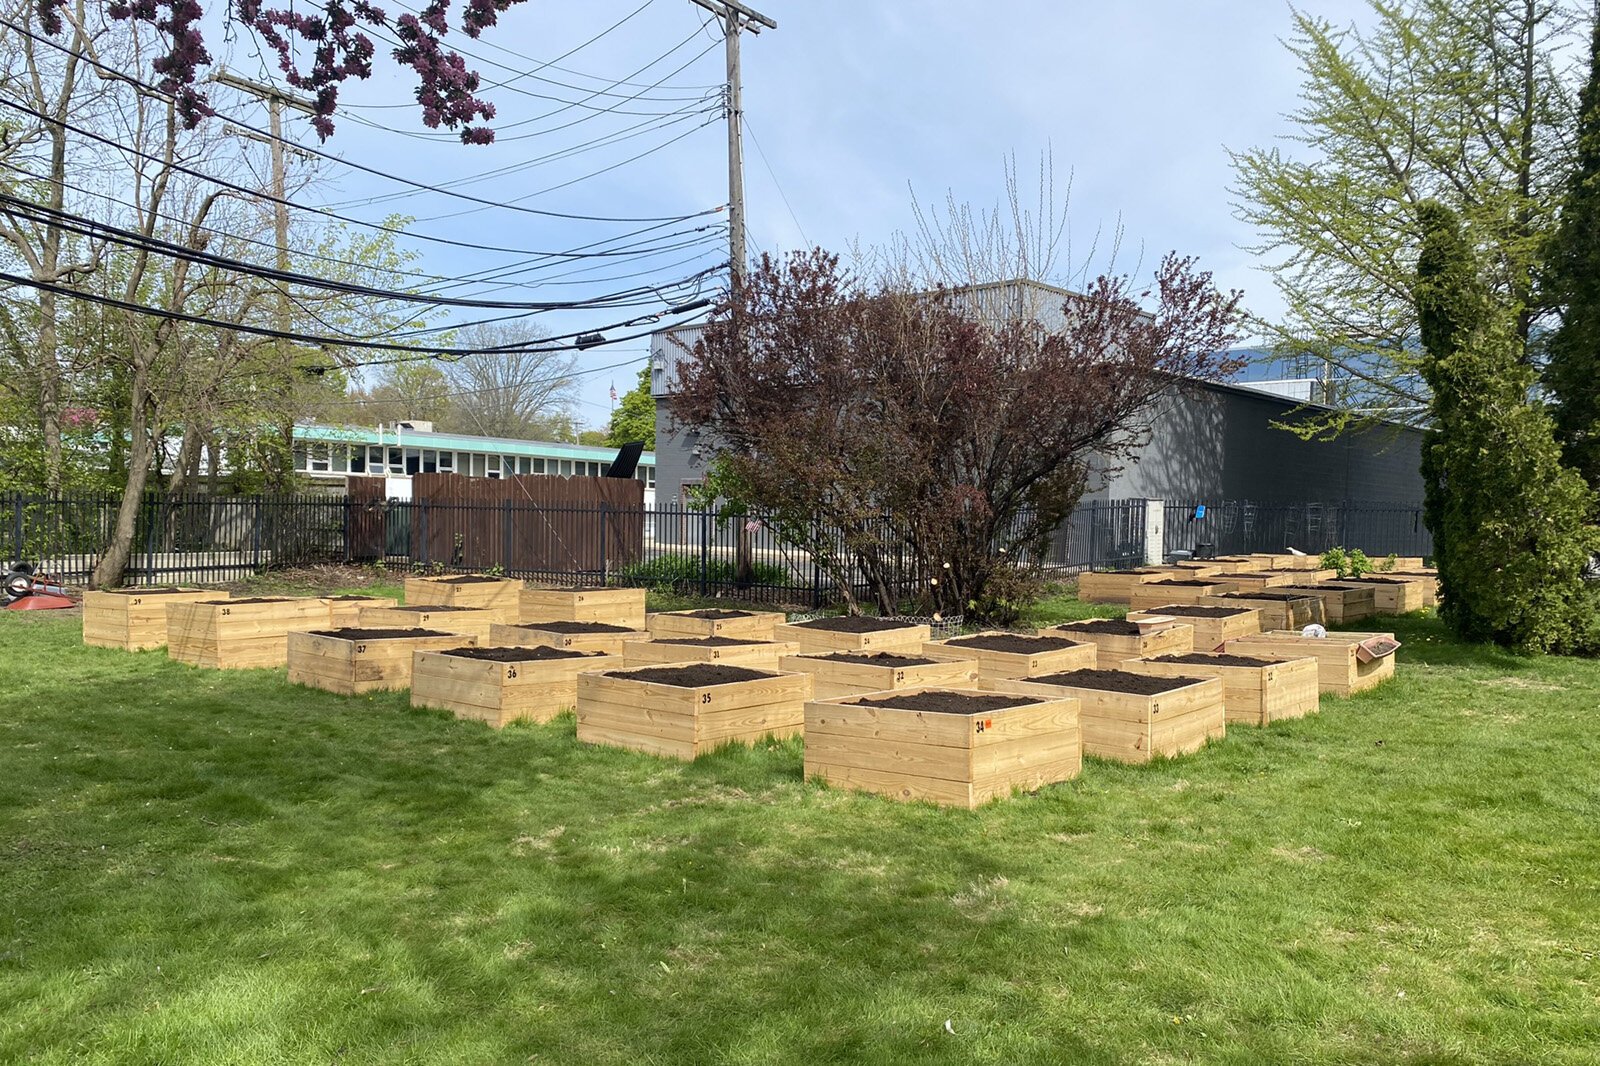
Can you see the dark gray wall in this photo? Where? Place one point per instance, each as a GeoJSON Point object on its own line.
{"type": "Point", "coordinates": [1214, 442]}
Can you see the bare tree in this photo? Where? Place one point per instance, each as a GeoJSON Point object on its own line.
{"type": "Point", "coordinates": [525, 392]}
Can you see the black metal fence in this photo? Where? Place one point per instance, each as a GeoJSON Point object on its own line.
{"type": "Point", "coordinates": [1236, 527]}
{"type": "Point", "coordinates": [215, 539]}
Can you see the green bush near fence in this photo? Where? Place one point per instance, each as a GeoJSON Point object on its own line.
{"type": "Point", "coordinates": [681, 573]}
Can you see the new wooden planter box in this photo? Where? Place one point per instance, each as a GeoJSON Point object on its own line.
{"type": "Point", "coordinates": [852, 673]}
{"type": "Point", "coordinates": [1193, 570]}
{"type": "Point", "coordinates": [1178, 590]}
{"type": "Point", "coordinates": [1230, 564]}
{"type": "Point", "coordinates": [1255, 690]}
{"type": "Point", "coordinates": [615, 607]}
{"type": "Point", "coordinates": [1212, 625]}
{"type": "Point", "coordinates": [599, 637]}
{"type": "Point", "coordinates": [1427, 579]}
{"type": "Point", "coordinates": [344, 612]}
{"type": "Point", "coordinates": [1134, 717]}
{"type": "Point", "coordinates": [1014, 655]}
{"type": "Point", "coordinates": [499, 595]}
{"type": "Point", "coordinates": [1279, 609]}
{"type": "Point", "coordinates": [854, 633]}
{"type": "Point", "coordinates": [502, 685]}
{"type": "Point", "coordinates": [1115, 639]}
{"type": "Point", "coordinates": [353, 661]}
{"type": "Point", "coordinates": [891, 744]}
{"type": "Point", "coordinates": [1284, 561]}
{"type": "Point", "coordinates": [1395, 595]}
{"type": "Point", "coordinates": [1341, 668]}
{"type": "Point", "coordinates": [474, 622]}
{"type": "Point", "coordinates": [686, 711]}
{"type": "Point", "coordinates": [1342, 603]}
{"type": "Point", "coordinates": [239, 634]}
{"type": "Point", "coordinates": [1113, 586]}
{"type": "Point", "coordinates": [750, 625]}
{"type": "Point", "coordinates": [134, 619]}
{"type": "Point", "coordinates": [1256, 580]}
{"type": "Point", "coordinates": [730, 651]}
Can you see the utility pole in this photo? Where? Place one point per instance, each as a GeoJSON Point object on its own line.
{"type": "Point", "coordinates": [736, 18]}
{"type": "Point", "coordinates": [276, 100]}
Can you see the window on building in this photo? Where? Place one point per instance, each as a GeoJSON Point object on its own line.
{"type": "Point", "coordinates": [413, 460]}
{"type": "Point", "coordinates": [375, 461]}
{"type": "Point", "coordinates": [341, 458]}
{"type": "Point", "coordinates": [538, 466]}
{"type": "Point", "coordinates": [397, 461]}
{"type": "Point", "coordinates": [317, 461]}
{"type": "Point", "coordinates": [299, 456]}
{"type": "Point", "coordinates": [524, 465]}
{"type": "Point", "coordinates": [430, 461]}
{"type": "Point", "coordinates": [566, 468]}
{"type": "Point", "coordinates": [492, 466]}
{"type": "Point", "coordinates": [477, 467]}
{"type": "Point", "coordinates": [646, 474]}
{"type": "Point", "coordinates": [358, 460]}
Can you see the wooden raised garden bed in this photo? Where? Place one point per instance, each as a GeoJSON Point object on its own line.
{"type": "Point", "coordinates": [1191, 571]}
{"type": "Point", "coordinates": [474, 622]}
{"type": "Point", "coordinates": [1279, 609]}
{"type": "Point", "coordinates": [851, 673]}
{"type": "Point", "coordinates": [854, 632]}
{"type": "Point", "coordinates": [502, 596]}
{"type": "Point", "coordinates": [1341, 603]}
{"type": "Point", "coordinates": [1285, 561]}
{"type": "Point", "coordinates": [353, 661]}
{"type": "Point", "coordinates": [1395, 595]}
{"type": "Point", "coordinates": [599, 637]}
{"type": "Point", "coordinates": [956, 749]}
{"type": "Point", "coordinates": [134, 619]}
{"type": "Point", "coordinates": [614, 607]}
{"type": "Point", "coordinates": [1113, 586]}
{"type": "Point", "coordinates": [1256, 580]}
{"type": "Point", "coordinates": [1428, 579]}
{"type": "Point", "coordinates": [1015, 655]}
{"type": "Point", "coordinates": [1175, 590]}
{"type": "Point", "coordinates": [1134, 717]}
{"type": "Point", "coordinates": [344, 612]}
{"type": "Point", "coordinates": [1346, 662]}
{"type": "Point", "coordinates": [1212, 625]}
{"type": "Point", "coordinates": [750, 625]}
{"type": "Point", "coordinates": [730, 651]}
{"type": "Point", "coordinates": [239, 634]}
{"type": "Point", "coordinates": [1255, 690]}
{"type": "Point", "coordinates": [502, 685]}
{"type": "Point", "coordinates": [1230, 564]}
{"type": "Point", "coordinates": [1116, 639]}
{"type": "Point", "coordinates": [686, 711]}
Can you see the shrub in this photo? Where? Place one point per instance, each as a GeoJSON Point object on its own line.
{"type": "Point", "coordinates": [677, 572]}
{"type": "Point", "coordinates": [1351, 563]}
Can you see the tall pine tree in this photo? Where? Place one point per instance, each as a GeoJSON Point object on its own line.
{"type": "Point", "coordinates": [1572, 374]}
{"type": "Point", "coordinates": [1507, 517]}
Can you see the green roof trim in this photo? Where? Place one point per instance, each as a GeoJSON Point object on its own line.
{"type": "Point", "coordinates": [458, 442]}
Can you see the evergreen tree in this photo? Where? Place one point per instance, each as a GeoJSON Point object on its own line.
{"type": "Point", "coordinates": [1573, 280]}
{"type": "Point", "coordinates": [635, 416]}
{"type": "Point", "coordinates": [1507, 517]}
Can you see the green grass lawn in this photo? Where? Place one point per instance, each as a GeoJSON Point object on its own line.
{"type": "Point", "coordinates": [200, 867]}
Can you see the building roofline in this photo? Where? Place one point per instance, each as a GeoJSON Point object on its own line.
{"type": "Point", "coordinates": [459, 442]}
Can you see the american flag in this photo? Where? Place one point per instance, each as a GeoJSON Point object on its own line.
{"type": "Point", "coordinates": [613, 392]}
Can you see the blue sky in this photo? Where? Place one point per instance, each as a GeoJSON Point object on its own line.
{"type": "Point", "coordinates": [852, 105]}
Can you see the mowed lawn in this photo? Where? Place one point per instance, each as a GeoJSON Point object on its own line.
{"type": "Point", "coordinates": [201, 867]}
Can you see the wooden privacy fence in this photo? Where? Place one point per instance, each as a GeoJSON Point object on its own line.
{"type": "Point", "coordinates": [521, 524]}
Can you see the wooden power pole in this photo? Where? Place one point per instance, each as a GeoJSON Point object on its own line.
{"type": "Point", "coordinates": [736, 18]}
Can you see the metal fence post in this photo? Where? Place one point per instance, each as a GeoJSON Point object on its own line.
{"type": "Point", "coordinates": [605, 524]}
{"type": "Point", "coordinates": [705, 553]}
{"type": "Point", "coordinates": [255, 536]}
{"type": "Point", "coordinates": [347, 531]}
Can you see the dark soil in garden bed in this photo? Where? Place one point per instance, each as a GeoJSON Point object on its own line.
{"type": "Point", "coordinates": [1378, 579]}
{"type": "Point", "coordinates": [351, 596]}
{"type": "Point", "coordinates": [429, 608]}
{"type": "Point", "coordinates": [1185, 583]}
{"type": "Point", "coordinates": [710, 642]}
{"type": "Point", "coordinates": [1117, 681]}
{"type": "Point", "coordinates": [1267, 594]}
{"type": "Point", "coordinates": [940, 702]}
{"type": "Point", "coordinates": [717, 614]}
{"type": "Point", "coordinates": [877, 658]}
{"type": "Point", "coordinates": [1014, 642]}
{"type": "Point", "coordinates": [257, 599]}
{"type": "Point", "coordinates": [151, 592]}
{"type": "Point", "coordinates": [1215, 659]}
{"type": "Point", "coordinates": [378, 634]}
{"type": "Point", "coordinates": [469, 579]}
{"type": "Point", "coordinates": [521, 655]}
{"type": "Point", "coordinates": [1192, 611]}
{"type": "Point", "coordinates": [694, 675]}
{"type": "Point", "coordinates": [855, 623]}
{"type": "Point", "coordinates": [1325, 587]}
{"type": "Point", "coordinates": [577, 627]}
{"type": "Point", "coordinates": [1114, 627]}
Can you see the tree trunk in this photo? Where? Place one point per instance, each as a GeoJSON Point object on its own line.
{"type": "Point", "coordinates": [113, 565]}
